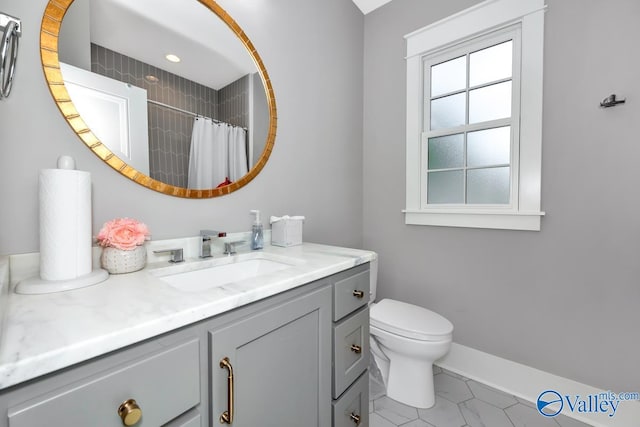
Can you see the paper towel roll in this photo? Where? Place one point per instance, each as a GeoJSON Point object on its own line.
{"type": "Point", "coordinates": [65, 224]}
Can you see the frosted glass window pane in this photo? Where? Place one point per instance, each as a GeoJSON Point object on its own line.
{"type": "Point", "coordinates": [450, 76]}
{"type": "Point", "coordinates": [491, 64]}
{"type": "Point", "coordinates": [446, 152]}
{"type": "Point", "coordinates": [445, 187]}
{"type": "Point", "coordinates": [488, 186]}
{"type": "Point", "coordinates": [490, 147]}
{"type": "Point", "coordinates": [448, 111]}
{"type": "Point", "coordinates": [490, 103]}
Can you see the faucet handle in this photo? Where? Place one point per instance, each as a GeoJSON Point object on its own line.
{"type": "Point", "coordinates": [177, 254]}
{"type": "Point", "coordinates": [230, 247]}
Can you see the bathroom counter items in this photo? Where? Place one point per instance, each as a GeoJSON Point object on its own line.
{"type": "Point", "coordinates": [44, 333]}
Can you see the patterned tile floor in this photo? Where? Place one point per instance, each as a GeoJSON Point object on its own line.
{"type": "Point", "coordinates": [460, 402]}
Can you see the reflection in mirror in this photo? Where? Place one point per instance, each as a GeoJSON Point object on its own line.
{"type": "Point", "coordinates": [200, 121]}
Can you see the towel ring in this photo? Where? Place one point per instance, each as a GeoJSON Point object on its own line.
{"type": "Point", "coordinates": [8, 53]}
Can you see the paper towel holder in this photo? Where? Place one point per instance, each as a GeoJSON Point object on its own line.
{"type": "Point", "coordinates": [57, 282]}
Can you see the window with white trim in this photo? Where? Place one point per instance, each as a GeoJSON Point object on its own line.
{"type": "Point", "coordinates": [474, 118]}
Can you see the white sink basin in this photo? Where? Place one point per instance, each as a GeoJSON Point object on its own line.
{"type": "Point", "coordinates": [203, 275]}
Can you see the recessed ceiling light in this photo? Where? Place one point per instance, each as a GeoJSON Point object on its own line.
{"type": "Point", "coordinates": [173, 58]}
{"type": "Point", "coordinates": [151, 78]}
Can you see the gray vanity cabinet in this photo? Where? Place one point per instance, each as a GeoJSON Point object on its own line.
{"type": "Point", "coordinates": [350, 389]}
{"type": "Point", "coordinates": [281, 363]}
{"type": "Point", "coordinates": [292, 357]}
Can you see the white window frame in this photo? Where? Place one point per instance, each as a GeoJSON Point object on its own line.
{"type": "Point", "coordinates": [484, 19]}
{"type": "Point", "coordinates": [513, 121]}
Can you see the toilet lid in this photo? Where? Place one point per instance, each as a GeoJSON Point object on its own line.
{"type": "Point", "coordinates": [410, 321]}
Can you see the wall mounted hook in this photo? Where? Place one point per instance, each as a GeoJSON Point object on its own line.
{"type": "Point", "coordinates": [611, 101]}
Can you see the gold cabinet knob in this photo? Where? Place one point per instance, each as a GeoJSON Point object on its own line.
{"type": "Point", "coordinates": [355, 418]}
{"type": "Point", "coordinates": [358, 294]}
{"type": "Point", "coordinates": [130, 412]}
{"type": "Point", "coordinates": [356, 349]}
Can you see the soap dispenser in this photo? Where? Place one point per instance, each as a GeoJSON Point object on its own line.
{"type": "Point", "coordinates": [257, 239]}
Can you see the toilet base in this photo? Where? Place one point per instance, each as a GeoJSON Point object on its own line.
{"type": "Point", "coordinates": [407, 367]}
{"type": "Point", "coordinates": [380, 360]}
{"type": "Point", "coordinates": [411, 382]}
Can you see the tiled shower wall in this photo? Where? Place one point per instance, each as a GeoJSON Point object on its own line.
{"type": "Point", "coordinates": [233, 102]}
{"type": "Point", "coordinates": [170, 131]}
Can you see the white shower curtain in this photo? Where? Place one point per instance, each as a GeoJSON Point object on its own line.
{"type": "Point", "coordinates": [237, 153]}
{"type": "Point", "coordinates": [218, 152]}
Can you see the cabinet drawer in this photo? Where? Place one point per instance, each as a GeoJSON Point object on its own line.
{"type": "Point", "coordinates": [353, 407]}
{"type": "Point", "coordinates": [164, 385]}
{"type": "Point", "coordinates": [190, 419]}
{"type": "Point", "coordinates": [350, 291]}
{"type": "Point", "coordinates": [350, 350]}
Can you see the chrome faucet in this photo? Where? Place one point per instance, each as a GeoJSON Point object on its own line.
{"type": "Point", "coordinates": [205, 241]}
{"type": "Point", "coordinates": [230, 247]}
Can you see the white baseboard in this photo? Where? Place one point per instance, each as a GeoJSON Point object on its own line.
{"type": "Point", "coordinates": [527, 383]}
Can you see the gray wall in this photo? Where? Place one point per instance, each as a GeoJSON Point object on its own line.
{"type": "Point", "coordinates": [565, 299]}
{"type": "Point", "coordinates": [311, 50]}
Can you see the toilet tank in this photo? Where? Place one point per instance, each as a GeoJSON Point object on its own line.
{"type": "Point", "coordinates": [373, 278]}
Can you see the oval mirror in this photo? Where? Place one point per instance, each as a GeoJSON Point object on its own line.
{"type": "Point", "coordinates": [172, 95]}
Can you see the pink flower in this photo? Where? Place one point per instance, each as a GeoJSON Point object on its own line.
{"type": "Point", "coordinates": [123, 233]}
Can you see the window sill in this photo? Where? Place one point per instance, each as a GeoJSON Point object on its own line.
{"type": "Point", "coordinates": [529, 221]}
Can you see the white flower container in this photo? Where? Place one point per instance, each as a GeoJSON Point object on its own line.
{"type": "Point", "coordinates": [118, 261]}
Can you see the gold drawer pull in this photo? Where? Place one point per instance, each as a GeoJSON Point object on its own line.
{"type": "Point", "coordinates": [355, 418]}
{"type": "Point", "coordinates": [356, 349]}
{"type": "Point", "coordinates": [227, 416]}
{"type": "Point", "coordinates": [358, 294]}
{"type": "Point", "coordinates": [130, 412]}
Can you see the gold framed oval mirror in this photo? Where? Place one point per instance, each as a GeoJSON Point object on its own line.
{"type": "Point", "coordinates": [181, 102]}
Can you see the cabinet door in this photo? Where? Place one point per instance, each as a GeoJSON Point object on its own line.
{"type": "Point", "coordinates": [281, 363]}
{"type": "Point", "coordinates": [164, 385]}
{"type": "Point", "coordinates": [188, 419]}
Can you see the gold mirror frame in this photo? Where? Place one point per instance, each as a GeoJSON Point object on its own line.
{"type": "Point", "coordinates": [49, 33]}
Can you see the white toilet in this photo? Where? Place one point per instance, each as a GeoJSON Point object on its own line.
{"type": "Point", "coordinates": [405, 341]}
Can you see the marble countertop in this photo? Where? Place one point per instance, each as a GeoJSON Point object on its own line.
{"type": "Point", "coordinates": [44, 333]}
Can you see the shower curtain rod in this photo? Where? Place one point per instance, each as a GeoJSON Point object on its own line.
{"type": "Point", "coordinates": [191, 113]}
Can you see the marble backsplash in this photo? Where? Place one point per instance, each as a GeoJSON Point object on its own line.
{"type": "Point", "coordinates": [24, 266]}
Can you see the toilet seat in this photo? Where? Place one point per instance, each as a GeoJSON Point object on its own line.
{"type": "Point", "coordinates": [410, 321]}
